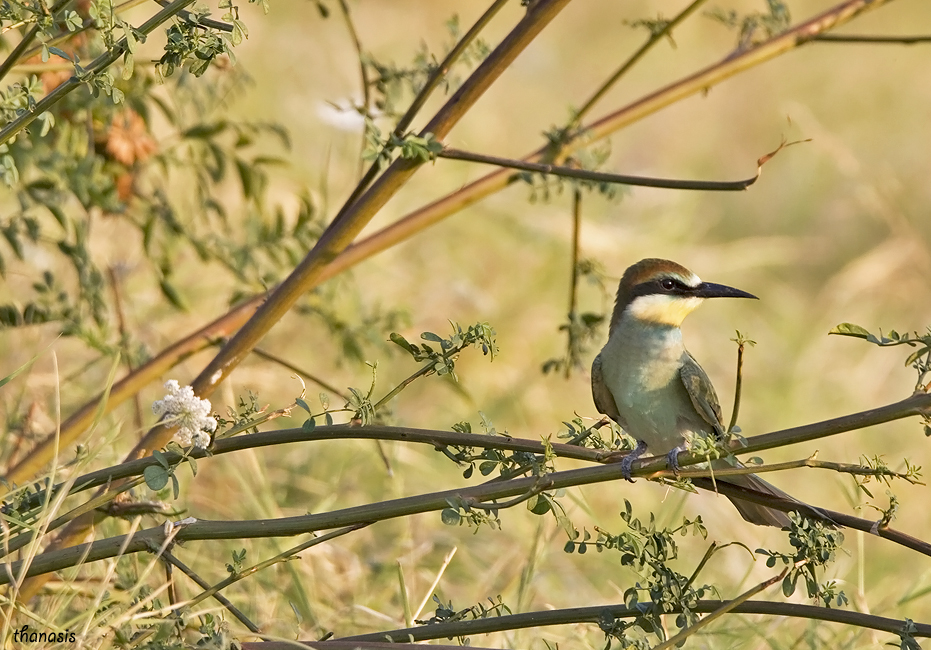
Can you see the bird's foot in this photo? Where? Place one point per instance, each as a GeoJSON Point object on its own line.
{"type": "Point", "coordinates": [628, 460]}
{"type": "Point", "coordinates": [672, 459]}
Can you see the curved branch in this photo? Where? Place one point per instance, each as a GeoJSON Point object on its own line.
{"type": "Point", "coordinates": [599, 177]}
{"type": "Point", "coordinates": [884, 40]}
{"type": "Point", "coordinates": [595, 614]}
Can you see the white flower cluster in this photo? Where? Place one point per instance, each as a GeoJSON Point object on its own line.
{"type": "Point", "coordinates": [191, 414]}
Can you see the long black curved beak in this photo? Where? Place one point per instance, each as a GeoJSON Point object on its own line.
{"type": "Point", "coordinates": [712, 290]}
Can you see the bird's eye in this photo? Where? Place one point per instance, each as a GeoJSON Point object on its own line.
{"type": "Point", "coordinates": [668, 285]}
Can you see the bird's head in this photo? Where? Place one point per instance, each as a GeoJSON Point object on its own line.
{"type": "Point", "coordinates": [662, 292]}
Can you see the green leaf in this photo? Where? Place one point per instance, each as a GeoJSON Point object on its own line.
{"type": "Point", "coordinates": [450, 517]}
{"type": "Point", "coordinates": [541, 507]}
{"type": "Point", "coordinates": [155, 477]}
{"type": "Point", "coordinates": [171, 293]}
{"type": "Point", "coordinates": [162, 460]}
{"type": "Point", "coordinates": [302, 404]}
{"type": "Point", "coordinates": [430, 336]}
{"type": "Point", "coordinates": [309, 425]}
{"type": "Point", "coordinates": [849, 329]}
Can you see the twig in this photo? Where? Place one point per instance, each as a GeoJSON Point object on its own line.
{"type": "Point", "coordinates": [599, 177]}
{"type": "Point", "coordinates": [738, 382]}
{"type": "Point", "coordinates": [627, 65]}
{"type": "Point", "coordinates": [200, 22]}
{"type": "Point", "coordinates": [574, 279]}
{"type": "Point", "coordinates": [17, 52]}
{"type": "Point", "coordinates": [284, 363]}
{"type": "Point", "coordinates": [363, 71]}
{"type": "Point", "coordinates": [124, 335]}
{"type": "Point", "coordinates": [888, 40]}
{"type": "Point", "coordinates": [220, 598]}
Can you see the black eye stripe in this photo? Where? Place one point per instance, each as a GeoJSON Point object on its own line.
{"type": "Point", "coordinates": [675, 288]}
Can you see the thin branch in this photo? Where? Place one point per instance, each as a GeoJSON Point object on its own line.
{"type": "Point", "coordinates": [200, 22]}
{"type": "Point", "coordinates": [220, 598]}
{"type": "Point", "coordinates": [284, 363]}
{"type": "Point", "coordinates": [432, 82]}
{"type": "Point", "coordinates": [843, 468]}
{"type": "Point", "coordinates": [595, 614]}
{"type": "Point", "coordinates": [124, 336]}
{"type": "Point", "coordinates": [599, 177]}
{"type": "Point", "coordinates": [363, 72]}
{"type": "Point", "coordinates": [17, 52]}
{"type": "Point", "coordinates": [654, 38]}
{"type": "Point", "coordinates": [738, 383]}
{"type": "Point", "coordinates": [574, 278]}
{"type": "Point", "coordinates": [887, 40]}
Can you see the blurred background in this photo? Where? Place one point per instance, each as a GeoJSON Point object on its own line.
{"type": "Point", "coordinates": [836, 230]}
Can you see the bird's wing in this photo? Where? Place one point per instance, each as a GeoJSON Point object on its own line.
{"type": "Point", "coordinates": [604, 400]}
{"type": "Point", "coordinates": [702, 394]}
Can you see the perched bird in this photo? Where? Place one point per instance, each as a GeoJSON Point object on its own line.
{"type": "Point", "coordinates": [645, 380]}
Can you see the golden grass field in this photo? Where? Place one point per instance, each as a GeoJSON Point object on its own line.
{"type": "Point", "coordinates": [837, 229]}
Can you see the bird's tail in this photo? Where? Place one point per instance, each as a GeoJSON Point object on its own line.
{"type": "Point", "coordinates": [753, 512]}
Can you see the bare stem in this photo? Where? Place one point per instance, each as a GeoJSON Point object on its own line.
{"type": "Point", "coordinates": [599, 177]}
